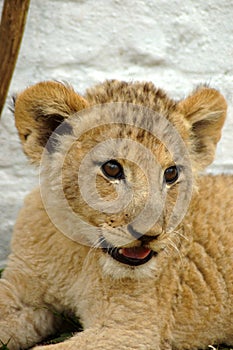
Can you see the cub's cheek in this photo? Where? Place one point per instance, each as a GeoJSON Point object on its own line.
{"type": "Point", "coordinates": [105, 189]}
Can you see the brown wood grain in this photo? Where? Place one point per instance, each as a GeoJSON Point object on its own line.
{"type": "Point", "coordinates": [14, 14]}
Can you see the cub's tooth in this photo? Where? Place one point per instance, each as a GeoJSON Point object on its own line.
{"type": "Point", "coordinates": [120, 251]}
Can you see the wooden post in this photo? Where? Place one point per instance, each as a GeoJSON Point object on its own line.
{"type": "Point", "coordinates": [13, 20]}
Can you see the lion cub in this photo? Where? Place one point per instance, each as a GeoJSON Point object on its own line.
{"type": "Point", "coordinates": [122, 231]}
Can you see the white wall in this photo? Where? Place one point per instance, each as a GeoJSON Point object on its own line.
{"type": "Point", "coordinates": [175, 44]}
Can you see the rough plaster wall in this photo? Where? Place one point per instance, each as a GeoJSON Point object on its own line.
{"type": "Point", "coordinates": [175, 44]}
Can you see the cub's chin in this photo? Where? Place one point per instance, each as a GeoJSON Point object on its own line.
{"type": "Point", "coordinates": [119, 267]}
{"type": "Point", "coordinates": [135, 261]}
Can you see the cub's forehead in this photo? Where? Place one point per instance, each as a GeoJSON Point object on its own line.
{"type": "Point", "coordinates": [120, 130]}
{"type": "Point", "coordinates": [120, 121]}
{"type": "Point", "coordinates": [132, 119]}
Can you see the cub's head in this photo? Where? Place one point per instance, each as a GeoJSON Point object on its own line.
{"type": "Point", "coordinates": [118, 166]}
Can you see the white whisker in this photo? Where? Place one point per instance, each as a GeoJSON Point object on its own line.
{"type": "Point", "coordinates": [174, 246]}
{"type": "Point", "coordinates": [181, 235]}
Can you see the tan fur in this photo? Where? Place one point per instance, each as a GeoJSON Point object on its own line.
{"type": "Point", "coordinates": [182, 298]}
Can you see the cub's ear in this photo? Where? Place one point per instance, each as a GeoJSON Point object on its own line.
{"type": "Point", "coordinates": [39, 110]}
{"type": "Point", "coordinates": [205, 110]}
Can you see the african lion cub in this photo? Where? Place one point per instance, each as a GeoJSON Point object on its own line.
{"type": "Point", "coordinates": [122, 231]}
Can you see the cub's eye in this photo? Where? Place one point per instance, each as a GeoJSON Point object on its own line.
{"type": "Point", "coordinates": [113, 169]}
{"type": "Point", "coordinates": [171, 174]}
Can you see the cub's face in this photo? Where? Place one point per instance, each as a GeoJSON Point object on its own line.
{"type": "Point", "coordinates": [118, 176]}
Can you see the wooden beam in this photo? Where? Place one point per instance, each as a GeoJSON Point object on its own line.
{"type": "Point", "coordinates": [12, 25]}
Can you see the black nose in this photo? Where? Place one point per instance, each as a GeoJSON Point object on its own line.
{"type": "Point", "coordinates": [141, 237]}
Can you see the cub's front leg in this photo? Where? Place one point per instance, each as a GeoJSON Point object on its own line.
{"type": "Point", "coordinates": [110, 339]}
{"type": "Point", "coordinates": [21, 325]}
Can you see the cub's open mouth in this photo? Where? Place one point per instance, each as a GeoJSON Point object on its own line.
{"type": "Point", "coordinates": [133, 256]}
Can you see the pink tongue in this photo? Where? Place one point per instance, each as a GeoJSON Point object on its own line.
{"type": "Point", "coordinates": [135, 252]}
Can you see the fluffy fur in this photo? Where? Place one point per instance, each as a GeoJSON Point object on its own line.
{"type": "Point", "coordinates": [182, 297]}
